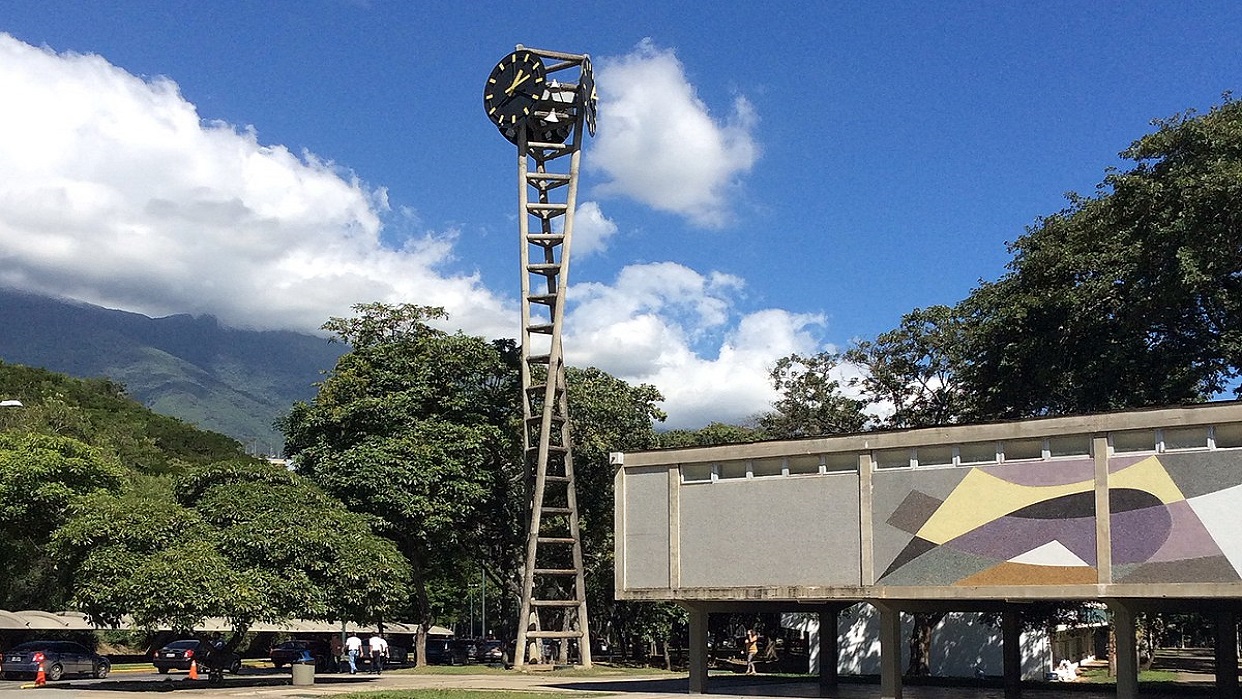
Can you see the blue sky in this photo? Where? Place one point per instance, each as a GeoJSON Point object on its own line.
{"type": "Point", "coordinates": [767, 177]}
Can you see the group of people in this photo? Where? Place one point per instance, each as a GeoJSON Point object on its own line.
{"type": "Point", "coordinates": [377, 651]}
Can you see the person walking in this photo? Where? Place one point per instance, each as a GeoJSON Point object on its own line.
{"type": "Point", "coordinates": [353, 648]}
{"type": "Point", "coordinates": [379, 651]}
{"type": "Point", "coordinates": [752, 649]}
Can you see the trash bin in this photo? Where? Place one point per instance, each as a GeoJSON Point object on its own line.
{"type": "Point", "coordinates": [303, 672]}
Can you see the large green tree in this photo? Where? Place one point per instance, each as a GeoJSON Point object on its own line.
{"type": "Point", "coordinates": [243, 540]}
{"type": "Point", "coordinates": [414, 426]}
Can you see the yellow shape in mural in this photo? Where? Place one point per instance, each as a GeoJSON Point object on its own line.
{"type": "Point", "coordinates": [1149, 476]}
{"type": "Point", "coordinates": [980, 498]}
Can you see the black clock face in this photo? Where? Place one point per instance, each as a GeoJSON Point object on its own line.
{"type": "Point", "coordinates": [587, 96]}
{"type": "Point", "coordinates": [514, 87]}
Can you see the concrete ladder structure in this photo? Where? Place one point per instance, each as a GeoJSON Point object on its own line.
{"type": "Point", "coordinates": [1139, 510]}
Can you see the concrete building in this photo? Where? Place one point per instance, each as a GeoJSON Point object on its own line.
{"type": "Point", "coordinates": [1139, 510]}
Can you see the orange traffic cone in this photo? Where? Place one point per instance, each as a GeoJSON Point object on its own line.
{"type": "Point", "coordinates": [193, 670]}
{"type": "Point", "coordinates": [40, 677]}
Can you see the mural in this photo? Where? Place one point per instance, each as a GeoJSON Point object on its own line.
{"type": "Point", "coordinates": [1174, 518]}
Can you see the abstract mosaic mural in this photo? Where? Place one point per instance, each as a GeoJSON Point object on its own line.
{"type": "Point", "coordinates": [1174, 518]}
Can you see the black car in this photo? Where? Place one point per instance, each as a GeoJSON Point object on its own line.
{"type": "Point", "coordinates": [303, 650]}
{"type": "Point", "coordinates": [444, 651]}
{"type": "Point", "coordinates": [58, 658]}
{"type": "Point", "coordinates": [178, 655]}
{"type": "Point", "coordinates": [490, 652]}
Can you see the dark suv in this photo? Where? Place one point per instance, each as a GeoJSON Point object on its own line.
{"type": "Point", "coordinates": [58, 658]}
{"type": "Point", "coordinates": [178, 655]}
{"type": "Point", "coordinates": [302, 650]}
{"type": "Point", "coordinates": [445, 651]}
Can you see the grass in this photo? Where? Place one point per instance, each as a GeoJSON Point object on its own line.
{"type": "Point", "coordinates": [1100, 676]}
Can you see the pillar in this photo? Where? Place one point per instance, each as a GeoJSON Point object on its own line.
{"type": "Point", "coordinates": [1011, 653]}
{"type": "Point", "coordinates": [1226, 654]}
{"type": "Point", "coordinates": [890, 651]}
{"type": "Point", "coordinates": [698, 648]}
{"type": "Point", "coordinates": [829, 645]}
{"type": "Point", "coordinates": [1127, 650]}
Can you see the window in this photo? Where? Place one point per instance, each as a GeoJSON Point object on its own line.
{"type": "Point", "coordinates": [836, 463]}
{"type": "Point", "coordinates": [1228, 436]}
{"type": "Point", "coordinates": [935, 456]}
{"type": "Point", "coordinates": [767, 467]}
{"type": "Point", "coordinates": [1069, 445]}
{"type": "Point", "coordinates": [696, 473]}
{"type": "Point", "coordinates": [731, 469]}
{"type": "Point", "coordinates": [1185, 438]}
{"type": "Point", "coordinates": [976, 453]}
{"type": "Point", "coordinates": [1020, 449]}
{"type": "Point", "coordinates": [891, 458]}
{"type": "Point", "coordinates": [1133, 440]}
{"type": "Point", "coordinates": [803, 464]}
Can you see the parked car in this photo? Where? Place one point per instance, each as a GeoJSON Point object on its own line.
{"type": "Point", "coordinates": [303, 649]}
{"type": "Point", "coordinates": [445, 651]}
{"type": "Point", "coordinates": [178, 655]}
{"type": "Point", "coordinates": [59, 658]}
{"type": "Point", "coordinates": [490, 652]}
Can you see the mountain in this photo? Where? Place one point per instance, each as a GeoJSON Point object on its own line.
{"type": "Point", "coordinates": [237, 382]}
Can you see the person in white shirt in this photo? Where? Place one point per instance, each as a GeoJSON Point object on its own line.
{"type": "Point", "coordinates": [379, 652]}
{"type": "Point", "coordinates": [353, 647]}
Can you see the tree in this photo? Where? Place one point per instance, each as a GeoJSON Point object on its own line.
{"type": "Point", "coordinates": [41, 476]}
{"type": "Point", "coordinates": [811, 401]}
{"type": "Point", "coordinates": [243, 540]}
{"type": "Point", "coordinates": [1131, 297]}
{"type": "Point", "coordinates": [415, 427]}
{"type": "Point", "coordinates": [715, 433]}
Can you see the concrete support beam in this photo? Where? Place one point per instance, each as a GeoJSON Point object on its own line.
{"type": "Point", "coordinates": [698, 648]}
{"type": "Point", "coordinates": [829, 645]}
{"type": "Point", "coordinates": [1127, 650]}
{"type": "Point", "coordinates": [1011, 653]}
{"type": "Point", "coordinates": [890, 651]}
{"type": "Point", "coordinates": [1226, 654]}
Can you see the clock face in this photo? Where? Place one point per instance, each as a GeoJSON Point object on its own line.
{"type": "Point", "coordinates": [514, 87]}
{"type": "Point", "coordinates": [587, 95]}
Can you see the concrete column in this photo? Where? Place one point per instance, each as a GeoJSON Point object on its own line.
{"type": "Point", "coordinates": [1011, 652]}
{"type": "Point", "coordinates": [890, 651]}
{"type": "Point", "coordinates": [1127, 650]}
{"type": "Point", "coordinates": [829, 645]}
{"type": "Point", "coordinates": [698, 648]}
{"type": "Point", "coordinates": [1226, 654]}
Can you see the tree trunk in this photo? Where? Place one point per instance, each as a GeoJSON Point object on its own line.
{"type": "Point", "coordinates": [920, 643]}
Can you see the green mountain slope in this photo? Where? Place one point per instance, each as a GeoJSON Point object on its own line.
{"type": "Point", "coordinates": [237, 382]}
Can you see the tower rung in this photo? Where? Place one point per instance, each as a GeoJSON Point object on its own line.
{"type": "Point", "coordinates": [546, 206]}
{"type": "Point", "coordinates": [555, 602]}
{"type": "Point", "coordinates": [544, 268]}
{"type": "Point", "coordinates": [557, 540]}
{"type": "Point", "coordinates": [547, 146]}
{"type": "Point", "coordinates": [546, 299]}
{"type": "Point", "coordinates": [545, 239]}
{"type": "Point", "coordinates": [549, 176]}
{"type": "Point", "coordinates": [555, 571]}
{"type": "Point", "coordinates": [556, 511]}
{"type": "Point", "coordinates": [554, 634]}
{"type": "Point", "coordinates": [556, 479]}
{"type": "Point", "coordinates": [539, 358]}
{"type": "Point", "coordinates": [545, 328]}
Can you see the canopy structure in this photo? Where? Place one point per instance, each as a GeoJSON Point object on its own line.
{"type": "Point", "coordinates": [36, 620]}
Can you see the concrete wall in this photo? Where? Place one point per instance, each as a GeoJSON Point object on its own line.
{"type": "Point", "coordinates": [1139, 504]}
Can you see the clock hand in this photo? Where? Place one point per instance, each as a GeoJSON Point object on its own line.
{"type": "Point", "coordinates": [517, 80]}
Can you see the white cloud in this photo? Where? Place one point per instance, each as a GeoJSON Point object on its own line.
{"type": "Point", "coordinates": [591, 230]}
{"type": "Point", "coordinates": [652, 323]}
{"type": "Point", "coordinates": [658, 144]}
{"type": "Point", "coordinates": [115, 192]}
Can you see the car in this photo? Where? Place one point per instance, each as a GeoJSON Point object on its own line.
{"type": "Point", "coordinates": [445, 651]}
{"type": "Point", "coordinates": [302, 649]}
{"type": "Point", "coordinates": [178, 655]}
{"type": "Point", "coordinates": [491, 651]}
{"type": "Point", "coordinates": [58, 658]}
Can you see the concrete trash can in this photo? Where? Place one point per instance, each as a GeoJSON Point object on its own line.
{"type": "Point", "coordinates": [303, 673]}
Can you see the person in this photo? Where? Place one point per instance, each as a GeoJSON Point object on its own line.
{"type": "Point", "coordinates": [353, 647]}
{"type": "Point", "coordinates": [752, 649]}
{"type": "Point", "coordinates": [379, 651]}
